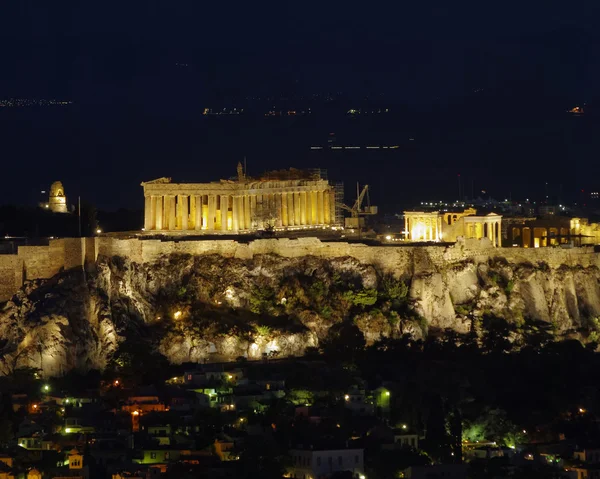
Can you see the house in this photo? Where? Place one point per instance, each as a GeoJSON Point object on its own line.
{"type": "Point", "coordinates": [359, 403]}
{"type": "Point", "coordinates": [144, 401]}
{"type": "Point", "coordinates": [161, 433]}
{"type": "Point", "coordinates": [404, 439]}
{"type": "Point", "coordinates": [77, 425]}
{"type": "Point", "coordinates": [319, 463]}
{"type": "Point", "coordinates": [6, 465]}
{"type": "Point", "coordinates": [157, 455]}
{"type": "Point", "coordinates": [224, 448]}
{"type": "Point", "coordinates": [438, 471]}
{"type": "Point", "coordinates": [137, 473]}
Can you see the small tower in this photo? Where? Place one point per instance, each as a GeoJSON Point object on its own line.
{"type": "Point", "coordinates": [57, 202]}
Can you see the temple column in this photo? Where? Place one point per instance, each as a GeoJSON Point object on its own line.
{"type": "Point", "coordinates": [184, 212]}
{"type": "Point", "coordinates": [326, 208]}
{"type": "Point", "coordinates": [297, 211]}
{"type": "Point", "coordinates": [192, 212]}
{"type": "Point", "coordinates": [291, 213]}
{"type": "Point", "coordinates": [235, 211]}
{"type": "Point", "coordinates": [320, 212]}
{"type": "Point", "coordinates": [313, 208]}
{"type": "Point", "coordinates": [178, 203]}
{"type": "Point", "coordinates": [278, 208]}
{"type": "Point", "coordinates": [224, 210]}
{"type": "Point", "coordinates": [332, 206]}
{"type": "Point", "coordinates": [153, 212]}
{"type": "Point", "coordinates": [499, 235]}
{"type": "Point", "coordinates": [308, 208]}
{"type": "Point", "coordinates": [303, 208]}
{"type": "Point", "coordinates": [204, 209]}
{"type": "Point", "coordinates": [284, 209]}
{"type": "Point", "coordinates": [171, 213]}
{"type": "Point", "coordinates": [212, 211]}
{"type": "Point", "coordinates": [198, 212]}
{"type": "Point", "coordinates": [148, 212]}
{"type": "Point", "coordinates": [253, 211]}
{"type": "Point", "coordinates": [158, 219]}
{"type": "Point", "coordinates": [247, 215]}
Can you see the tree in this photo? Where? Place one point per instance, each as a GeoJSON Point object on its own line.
{"type": "Point", "coordinates": [496, 334]}
{"type": "Point", "coordinates": [344, 341]}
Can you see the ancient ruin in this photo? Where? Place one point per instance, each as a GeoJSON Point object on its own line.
{"type": "Point", "coordinates": [282, 200]}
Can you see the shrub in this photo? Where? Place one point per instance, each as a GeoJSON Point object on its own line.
{"type": "Point", "coordinates": [261, 299]}
{"type": "Point", "coordinates": [393, 289]}
{"type": "Point", "coordinates": [362, 298]}
{"type": "Point", "coordinates": [262, 330]}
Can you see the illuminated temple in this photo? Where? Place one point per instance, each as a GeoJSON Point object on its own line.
{"type": "Point", "coordinates": [448, 226]}
{"type": "Point", "coordinates": [288, 199]}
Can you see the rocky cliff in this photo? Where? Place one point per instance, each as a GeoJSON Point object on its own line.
{"type": "Point", "coordinates": [195, 307]}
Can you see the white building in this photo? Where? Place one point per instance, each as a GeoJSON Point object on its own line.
{"type": "Point", "coordinates": [320, 463]}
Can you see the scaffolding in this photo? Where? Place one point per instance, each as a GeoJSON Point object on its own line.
{"type": "Point", "coordinates": [339, 201]}
{"type": "Point", "coordinates": [318, 173]}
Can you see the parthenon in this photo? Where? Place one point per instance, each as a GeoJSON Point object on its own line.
{"type": "Point", "coordinates": [289, 199]}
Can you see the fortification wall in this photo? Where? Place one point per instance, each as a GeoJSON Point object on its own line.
{"type": "Point", "coordinates": [11, 275]}
{"type": "Point", "coordinates": [37, 262]}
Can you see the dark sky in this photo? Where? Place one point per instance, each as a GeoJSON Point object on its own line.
{"type": "Point", "coordinates": [136, 113]}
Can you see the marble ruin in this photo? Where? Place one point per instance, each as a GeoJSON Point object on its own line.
{"type": "Point", "coordinates": [448, 226]}
{"type": "Point", "coordinates": [279, 200]}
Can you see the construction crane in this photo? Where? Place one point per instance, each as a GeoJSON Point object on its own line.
{"type": "Point", "coordinates": [357, 210]}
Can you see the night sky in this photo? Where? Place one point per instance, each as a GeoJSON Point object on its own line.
{"type": "Point", "coordinates": [481, 87]}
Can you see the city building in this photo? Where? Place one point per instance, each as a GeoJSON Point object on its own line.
{"type": "Point", "coordinates": [551, 231]}
{"type": "Point", "coordinates": [448, 226]}
{"type": "Point", "coordinates": [288, 199]}
{"type": "Point", "coordinates": [320, 463]}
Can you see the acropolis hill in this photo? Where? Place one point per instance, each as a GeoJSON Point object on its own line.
{"type": "Point", "coordinates": [77, 300]}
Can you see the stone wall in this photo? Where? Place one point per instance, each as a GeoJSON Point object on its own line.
{"type": "Point", "coordinates": [41, 262]}
{"type": "Point", "coordinates": [37, 262]}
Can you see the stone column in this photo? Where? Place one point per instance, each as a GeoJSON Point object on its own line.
{"type": "Point", "coordinates": [192, 212]}
{"type": "Point", "coordinates": [153, 212]}
{"type": "Point", "coordinates": [313, 208]}
{"type": "Point", "coordinates": [291, 210]}
{"type": "Point", "coordinates": [159, 213]}
{"type": "Point", "coordinates": [297, 214]}
{"type": "Point", "coordinates": [253, 211]}
{"type": "Point", "coordinates": [170, 212]}
{"type": "Point", "coordinates": [326, 208]}
{"type": "Point", "coordinates": [178, 212]}
{"type": "Point", "coordinates": [320, 212]}
{"type": "Point", "coordinates": [303, 208]}
{"type": "Point", "coordinates": [184, 212]}
{"type": "Point", "coordinates": [147, 212]}
{"type": "Point", "coordinates": [224, 210]}
{"type": "Point", "coordinates": [499, 234]}
{"type": "Point", "coordinates": [198, 209]}
{"type": "Point", "coordinates": [309, 208]}
{"type": "Point", "coordinates": [212, 211]}
{"type": "Point", "coordinates": [247, 214]}
{"type": "Point", "coordinates": [332, 206]}
{"type": "Point", "coordinates": [284, 209]}
{"type": "Point", "coordinates": [278, 208]}
{"type": "Point", "coordinates": [235, 210]}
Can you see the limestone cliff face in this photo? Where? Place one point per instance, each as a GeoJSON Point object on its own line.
{"type": "Point", "coordinates": [196, 308]}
